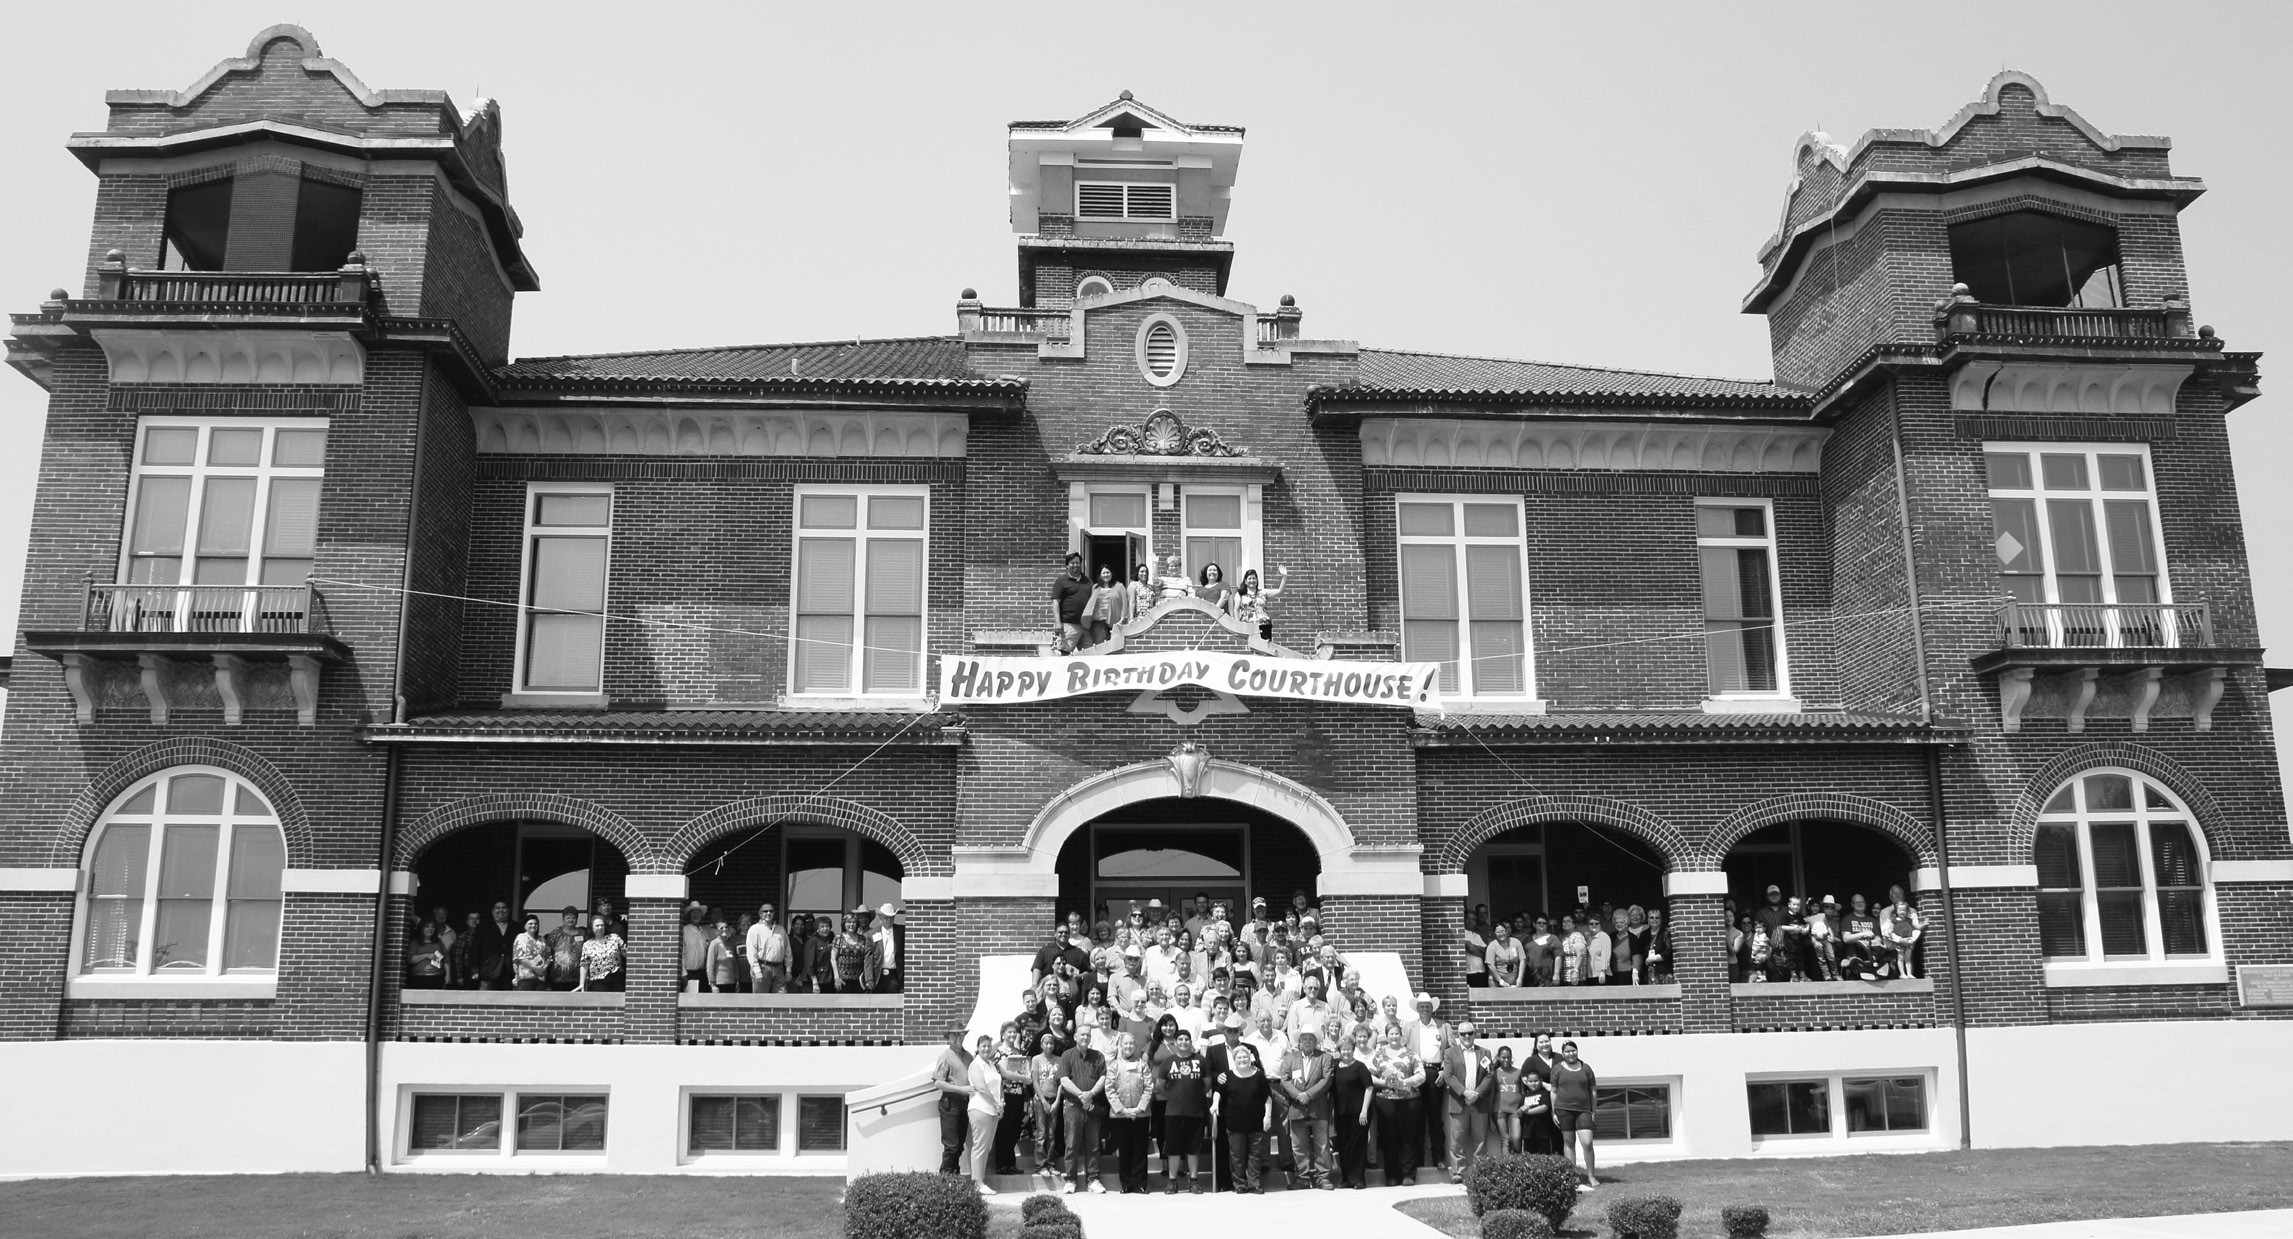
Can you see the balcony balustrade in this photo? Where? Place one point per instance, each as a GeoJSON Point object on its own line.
{"type": "Point", "coordinates": [203, 608]}
{"type": "Point", "coordinates": [2137, 661]}
{"type": "Point", "coordinates": [348, 290]}
{"type": "Point", "coordinates": [228, 628]}
{"type": "Point", "coordinates": [1961, 315]}
{"type": "Point", "coordinates": [2083, 625]}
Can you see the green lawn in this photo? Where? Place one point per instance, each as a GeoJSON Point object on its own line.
{"type": "Point", "coordinates": [1823, 1198]}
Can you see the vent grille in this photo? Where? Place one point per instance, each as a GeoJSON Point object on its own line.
{"type": "Point", "coordinates": [1126, 200]}
{"type": "Point", "coordinates": [1162, 350]}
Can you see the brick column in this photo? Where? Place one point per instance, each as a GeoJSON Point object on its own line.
{"type": "Point", "coordinates": [939, 979]}
{"type": "Point", "coordinates": [649, 1013]}
{"type": "Point", "coordinates": [1379, 923]}
{"type": "Point", "coordinates": [34, 963]}
{"type": "Point", "coordinates": [1443, 930]}
{"type": "Point", "coordinates": [974, 928]}
{"type": "Point", "coordinates": [1699, 925]}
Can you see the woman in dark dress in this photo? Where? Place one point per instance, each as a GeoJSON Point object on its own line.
{"type": "Point", "coordinates": [1243, 1107]}
{"type": "Point", "coordinates": [1349, 1108]}
{"type": "Point", "coordinates": [1538, 1132]}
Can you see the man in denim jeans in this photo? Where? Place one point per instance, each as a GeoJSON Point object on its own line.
{"type": "Point", "coordinates": [1082, 1106]}
{"type": "Point", "coordinates": [1070, 597]}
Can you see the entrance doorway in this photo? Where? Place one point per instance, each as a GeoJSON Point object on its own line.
{"type": "Point", "coordinates": [1121, 552]}
{"type": "Point", "coordinates": [1176, 849]}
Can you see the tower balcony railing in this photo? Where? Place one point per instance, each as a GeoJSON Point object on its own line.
{"type": "Point", "coordinates": [203, 609]}
{"type": "Point", "coordinates": [2097, 625]}
{"type": "Point", "coordinates": [1050, 324]}
{"type": "Point", "coordinates": [1961, 315]}
{"type": "Point", "coordinates": [352, 286]}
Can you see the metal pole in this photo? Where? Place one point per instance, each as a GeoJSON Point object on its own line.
{"type": "Point", "coordinates": [1951, 937]}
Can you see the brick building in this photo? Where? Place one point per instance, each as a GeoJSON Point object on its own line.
{"type": "Point", "coordinates": [335, 613]}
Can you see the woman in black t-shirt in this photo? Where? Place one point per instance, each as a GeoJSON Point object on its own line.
{"type": "Point", "coordinates": [1349, 1105]}
{"type": "Point", "coordinates": [1178, 1072]}
{"type": "Point", "coordinates": [1243, 1105]}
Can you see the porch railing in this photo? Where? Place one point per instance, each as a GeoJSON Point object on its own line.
{"type": "Point", "coordinates": [203, 608]}
{"type": "Point", "coordinates": [2095, 625]}
{"type": "Point", "coordinates": [352, 286]}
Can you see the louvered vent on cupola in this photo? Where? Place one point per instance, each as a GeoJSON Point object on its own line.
{"type": "Point", "coordinates": [1162, 350]}
{"type": "Point", "coordinates": [1126, 200]}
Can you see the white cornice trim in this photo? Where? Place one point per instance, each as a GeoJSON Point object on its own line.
{"type": "Point", "coordinates": [141, 356]}
{"type": "Point", "coordinates": [330, 881]}
{"type": "Point", "coordinates": [1977, 877]}
{"type": "Point", "coordinates": [62, 881]}
{"type": "Point", "coordinates": [2059, 387]}
{"type": "Point", "coordinates": [1695, 882]}
{"type": "Point", "coordinates": [2251, 871]}
{"type": "Point", "coordinates": [654, 886]}
{"type": "Point", "coordinates": [685, 432]}
{"type": "Point", "coordinates": [1524, 444]}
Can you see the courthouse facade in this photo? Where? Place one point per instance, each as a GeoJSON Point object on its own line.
{"type": "Point", "coordinates": [336, 613]}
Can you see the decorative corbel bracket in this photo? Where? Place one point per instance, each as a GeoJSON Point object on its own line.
{"type": "Point", "coordinates": [2146, 684]}
{"type": "Point", "coordinates": [154, 676]}
{"type": "Point", "coordinates": [2087, 680]}
{"type": "Point", "coordinates": [2014, 685]}
{"type": "Point", "coordinates": [302, 677]}
{"type": "Point", "coordinates": [2211, 683]}
{"type": "Point", "coordinates": [78, 668]}
{"type": "Point", "coordinates": [230, 682]}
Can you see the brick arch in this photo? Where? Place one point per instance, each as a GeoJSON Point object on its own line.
{"type": "Point", "coordinates": [2141, 759]}
{"type": "Point", "coordinates": [105, 787]}
{"type": "Point", "coordinates": [812, 811]}
{"type": "Point", "coordinates": [526, 806]}
{"type": "Point", "coordinates": [1885, 818]}
{"type": "Point", "coordinates": [1620, 815]}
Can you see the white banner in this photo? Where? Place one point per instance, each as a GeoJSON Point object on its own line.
{"type": "Point", "coordinates": [1010, 681]}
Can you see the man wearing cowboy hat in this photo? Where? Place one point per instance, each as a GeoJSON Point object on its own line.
{"type": "Point", "coordinates": [1215, 1057]}
{"type": "Point", "coordinates": [884, 943]}
{"type": "Point", "coordinates": [1429, 1039]}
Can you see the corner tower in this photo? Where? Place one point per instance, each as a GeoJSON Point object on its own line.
{"type": "Point", "coordinates": [1118, 196]}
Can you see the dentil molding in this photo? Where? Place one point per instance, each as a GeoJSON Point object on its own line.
{"type": "Point", "coordinates": [1590, 445]}
{"type": "Point", "coordinates": [142, 356]}
{"type": "Point", "coordinates": [682, 432]}
{"type": "Point", "coordinates": [2059, 387]}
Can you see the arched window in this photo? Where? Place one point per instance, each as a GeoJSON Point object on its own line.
{"type": "Point", "coordinates": [182, 881]}
{"type": "Point", "coordinates": [2121, 874]}
{"type": "Point", "coordinates": [1093, 286]}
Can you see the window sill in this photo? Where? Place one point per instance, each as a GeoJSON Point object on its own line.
{"type": "Point", "coordinates": [1824, 989]}
{"type": "Point", "coordinates": [1752, 705]}
{"type": "Point", "coordinates": [786, 1002]}
{"type": "Point", "coordinates": [845, 705]}
{"type": "Point", "coordinates": [2089, 976]}
{"type": "Point", "coordinates": [1469, 706]}
{"type": "Point", "coordinates": [1572, 993]}
{"type": "Point", "coordinates": [553, 701]}
{"type": "Point", "coordinates": [507, 998]}
{"type": "Point", "coordinates": [139, 989]}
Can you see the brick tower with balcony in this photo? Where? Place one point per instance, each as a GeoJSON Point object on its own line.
{"type": "Point", "coordinates": [1994, 319]}
{"type": "Point", "coordinates": [258, 443]}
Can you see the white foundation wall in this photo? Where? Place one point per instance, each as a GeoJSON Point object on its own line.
{"type": "Point", "coordinates": [2203, 1080]}
{"type": "Point", "coordinates": [181, 1107]}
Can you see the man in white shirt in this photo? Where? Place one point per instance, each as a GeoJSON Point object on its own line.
{"type": "Point", "coordinates": [695, 955]}
{"type": "Point", "coordinates": [1191, 1018]}
{"type": "Point", "coordinates": [767, 953]}
{"type": "Point", "coordinates": [1307, 1014]}
{"type": "Point", "coordinates": [1161, 960]}
{"type": "Point", "coordinates": [1428, 1038]}
{"type": "Point", "coordinates": [1475, 945]}
{"type": "Point", "coordinates": [1470, 1100]}
{"type": "Point", "coordinates": [887, 946]}
{"type": "Point", "coordinates": [1129, 981]}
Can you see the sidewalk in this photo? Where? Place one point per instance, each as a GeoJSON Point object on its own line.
{"type": "Point", "coordinates": [1366, 1214]}
{"type": "Point", "coordinates": [2258, 1224]}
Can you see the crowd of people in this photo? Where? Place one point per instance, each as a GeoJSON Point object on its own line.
{"type": "Point", "coordinates": [1227, 1051]}
{"type": "Point", "coordinates": [1087, 611]}
{"type": "Point", "coordinates": [856, 952]}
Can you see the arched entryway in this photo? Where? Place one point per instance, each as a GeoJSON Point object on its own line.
{"type": "Point", "coordinates": [1553, 868]}
{"type": "Point", "coordinates": [1813, 859]}
{"type": "Point", "coordinates": [533, 866]}
{"type": "Point", "coordinates": [797, 867]}
{"type": "Point", "coordinates": [1184, 850]}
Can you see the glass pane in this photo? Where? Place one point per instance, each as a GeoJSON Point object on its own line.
{"type": "Point", "coordinates": [2181, 880]}
{"type": "Point", "coordinates": [1719, 522]}
{"type": "Point", "coordinates": [828, 511]}
{"type": "Point", "coordinates": [2014, 526]}
{"type": "Point", "coordinates": [2057, 856]}
{"type": "Point", "coordinates": [2063, 801]}
{"type": "Point", "coordinates": [1770, 1115]}
{"type": "Point", "coordinates": [819, 1124]}
{"type": "Point", "coordinates": [2181, 921]}
{"type": "Point", "coordinates": [2122, 930]}
{"type": "Point", "coordinates": [569, 574]}
{"type": "Point", "coordinates": [140, 804]}
{"type": "Point", "coordinates": [449, 1122]}
{"type": "Point", "coordinates": [2007, 470]}
{"type": "Point", "coordinates": [1736, 584]}
{"type": "Point", "coordinates": [1428, 582]}
{"type": "Point", "coordinates": [1213, 511]}
{"type": "Point", "coordinates": [235, 447]}
{"type": "Point", "coordinates": [895, 577]}
{"type": "Point", "coordinates": [1427, 520]}
{"type": "Point", "coordinates": [291, 530]}
{"type": "Point", "coordinates": [160, 508]}
{"type": "Point", "coordinates": [1866, 1105]}
{"type": "Point", "coordinates": [1499, 664]}
{"type": "Point", "coordinates": [1118, 511]}
{"type": "Point", "coordinates": [1906, 1104]}
{"type": "Point", "coordinates": [1608, 1115]}
{"type": "Point", "coordinates": [2122, 473]}
{"type": "Point", "coordinates": [824, 575]}
{"type": "Point", "coordinates": [298, 449]}
{"type": "Point", "coordinates": [248, 804]}
{"type": "Point", "coordinates": [823, 654]}
{"type": "Point", "coordinates": [226, 516]}
{"type": "Point", "coordinates": [251, 935]}
{"type": "Point", "coordinates": [756, 1124]}
{"type": "Point", "coordinates": [892, 662]}
{"type": "Point", "coordinates": [2116, 861]}
{"type": "Point", "coordinates": [2132, 550]}
{"type": "Point", "coordinates": [541, 1124]}
{"type": "Point", "coordinates": [1492, 520]}
{"type": "Point", "coordinates": [186, 897]}
{"type": "Point", "coordinates": [2062, 924]}
{"type": "Point", "coordinates": [1225, 552]}
{"type": "Point", "coordinates": [2156, 798]}
{"type": "Point", "coordinates": [710, 1129]}
{"type": "Point", "coordinates": [1492, 582]}
{"type": "Point", "coordinates": [584, 1125]}
{"type": "Point", "coordinates": [2106, 792]}
{"type": "Point", "coordinates": [2063, 472]}
{"type": "Point", "coordinates": [1432, 641]}
{"type": "Point", "coordinates": [258, 855]}
{"type": "Point", "coordinates": [115, 896]}
{"type": "Point", "coordinates": [194, 793]}
{"type": "Point", "coordinates": [1648, 1112]}
{"type": "Point", "coordinates": [564, 652]}
{"type": "Point", "coordinates": [170, 445]}
{"type": "Point", "coordinates": [896, 512]}
{"type": "Point", "coordinates": [2075, 550]}
{"type": "Point", "coordinates": [594, 510]}
{"type": "Point", "coordinates": [1809, 1102]}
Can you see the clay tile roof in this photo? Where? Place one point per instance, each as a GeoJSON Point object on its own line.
{"type": "Point", "coordinates": [685, 726]}
{"type": "Point", "coordinates": [914, 359]}
{"type": "Point", "coordinates": [1566, 728]}
{"type": "Point", "coordinates": [1397, 372]}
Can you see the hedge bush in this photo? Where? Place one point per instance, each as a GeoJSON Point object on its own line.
{"type": "Point", "coordinates": [1645, 1217]}
{"type": "Point", "coordinates": [914, 1205]}
{"type": "Point", "coordinates": [1744, 1221]}
{"type": "Point", "coordinates": [1041, 1207]}
{"type": "Point", "coordinates": [1514, 1224]}
{"type": "Point", "coordinates": [1542, 1185]}
{"type": "Point", "coordinates": [1069, 1227]}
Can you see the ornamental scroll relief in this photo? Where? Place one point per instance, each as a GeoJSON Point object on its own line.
{"type": "Point", "coordinates": [1161, 434]}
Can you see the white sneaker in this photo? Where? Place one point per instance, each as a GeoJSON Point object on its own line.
{"type": "Point", "coordinates": [985, 1190]}
{"type": "Point", "coordinates": [1067, 1188]}
{"type": "Point", "coordinates": [1098, 1187]}
{"type": "Point", "coordinates": [1584, 1187]}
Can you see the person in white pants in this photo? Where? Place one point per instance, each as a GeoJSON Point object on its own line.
{"type": "Point", "coordinates": [986, 1110]}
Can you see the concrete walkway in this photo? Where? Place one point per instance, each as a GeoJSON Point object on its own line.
{"type": "Point", "coordinates": [1366, 1214]}
{"type": "Point", "coordinates": [2258, 1224]}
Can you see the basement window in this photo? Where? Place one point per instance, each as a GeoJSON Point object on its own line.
{"type": "Point", "coordinates": [2033, 258]}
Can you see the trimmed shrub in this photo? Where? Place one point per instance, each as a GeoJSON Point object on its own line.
{"type": "Point", "coordinates": [1069, 1227]}
{"type": "Point", "coordinates": [1042, 1207]}
{"type": "Point", "coordinates": [1514, 1224]}
{"type": "Point", "coordinates": [1645, 1217]}
{"type": "Point", "coordinates": [1545, 1186]}
{"type": "Point", "coordinates": [1744, 1221]}
{"type": "Point", "coordinates": [914, 1205]}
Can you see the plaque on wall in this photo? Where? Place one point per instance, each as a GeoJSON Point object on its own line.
{"type": "Point", "coordinates": [2265, 985]}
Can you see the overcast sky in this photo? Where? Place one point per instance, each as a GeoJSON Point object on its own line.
{"type": "Point", "coordinates": [1579, 183]}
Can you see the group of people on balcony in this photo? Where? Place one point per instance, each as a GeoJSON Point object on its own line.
{"type": "Point", "coordinates": [1607, 945]}
{"type": "Point", "coordinates": [1086, 612]}
{"type": "Point", "coordinates": [1800, 939]}
{"type": "Point", "coordinates": [857, 952]}
{"type": "Point", "coordinates": [1276, 1058]}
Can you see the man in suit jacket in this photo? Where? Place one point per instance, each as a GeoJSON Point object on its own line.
{"type": "Point", "coordinates": [1214, 1060]}
{"type": "Point", "coordinates": [1470, 1098]}
{"type": "Point", "coordinates": [1303, 1085]}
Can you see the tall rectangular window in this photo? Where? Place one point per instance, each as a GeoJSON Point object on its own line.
{"type": "Point", "coordinates": [229, 505]}
{"type": "Point", "coordinates": [1212, 522]}
{"type": "Point", "coordinates": [1743, 644]}
{"type": "Point", "coordinates": [2075, 532]}
{"type": "Point", "coordinates": [859, 591]}
{"type": "Point", "coordinates": [1464, 595]}
{"type": "Point", "coordinates": [568, 547]}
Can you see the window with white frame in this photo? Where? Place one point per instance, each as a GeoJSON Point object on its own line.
{"type": "Point", "coordinates": [1632, 1112]}
{"type": "Point", "coordinates": [473, 1122]}
{"type": "Point", "coordinates": [1143, 200]}
{"type": "Point", "coordinates": [2075, 532]}
{"type": "Point", "coordinates": [561, 629]}
{"type": "Point", "coordinates": [183, 881]}
{"type": "Point", "coordinates": [732, 1123]}
{"type": "Point", "coordinates": [2121, 874]}
{"type": "Point", "coordinates": [1464, 592]}
{"type": "Point", "coordinates": [859, 594]}
{"type": "Point", "coordinates": [820, 1124]}
{"type": "Point", "coordinates": [1743, 643]}
{"type": "Point", "coordinates": [230, 503]}
{"type": "Point", "coordinates": [1212, 521]}
{"type": "Point", "coordinates": [1838, 1106]}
